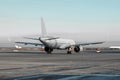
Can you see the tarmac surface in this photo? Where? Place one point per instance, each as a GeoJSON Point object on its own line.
{"type": "Point", "coordinates": [87, 65]}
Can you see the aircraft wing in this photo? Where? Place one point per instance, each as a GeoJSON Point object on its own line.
{"type": "Point", "coordinates": [84, 44]}
{"type": "Point", "coordinates": [30, 43]}
{"type": "Point", "coordinates": [115, 47]}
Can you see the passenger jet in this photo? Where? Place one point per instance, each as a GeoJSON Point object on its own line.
{"type": "Point", "coordinates": [51, 43]}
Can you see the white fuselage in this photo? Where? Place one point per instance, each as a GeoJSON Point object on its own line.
{"type": "Point", "coordinates": [58, 43]}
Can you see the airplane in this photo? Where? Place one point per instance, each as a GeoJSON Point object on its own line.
{"type": "Point", "coordinates": [51, 43]}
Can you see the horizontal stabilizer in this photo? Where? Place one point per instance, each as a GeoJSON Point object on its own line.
{"type": "Point", "coordinates": [31, 38]}
{"type": "Point", "coordinates": [52, 38]}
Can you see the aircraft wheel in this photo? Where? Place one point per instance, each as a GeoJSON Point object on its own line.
{"type": "Point", "coordinates": [69, 52]}
{"type": "Point", "coordinates": [50, 51]}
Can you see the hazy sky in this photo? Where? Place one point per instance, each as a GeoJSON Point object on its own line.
{"type": "Point", "coordinates": [86, 17]}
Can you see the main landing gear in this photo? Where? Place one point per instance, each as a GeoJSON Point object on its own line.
{"type": "Point", "coordinates": [48, 50]}
{"type": "Point", "coordinates": [69, 51]}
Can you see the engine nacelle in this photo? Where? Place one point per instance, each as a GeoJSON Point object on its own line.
{"type": "Point", "coordinates": [77, 49]}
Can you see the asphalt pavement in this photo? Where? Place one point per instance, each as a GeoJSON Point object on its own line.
{"type": "Point", "coordinates": [24, 65]}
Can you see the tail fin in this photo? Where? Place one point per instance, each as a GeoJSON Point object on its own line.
{"type": "Point", "coordinates": [43, 29]}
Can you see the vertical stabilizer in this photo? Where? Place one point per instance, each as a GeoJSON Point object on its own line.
{"type": "Point", "coordinates": [43, 29]}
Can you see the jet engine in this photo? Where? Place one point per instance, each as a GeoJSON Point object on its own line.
{"type": "Point", "coordinates": [76, 49]}
{"type": "Point", "coordinates": [48, 49]}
